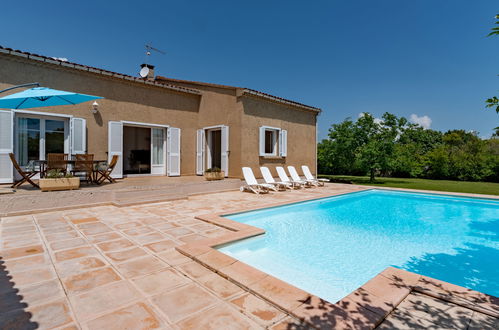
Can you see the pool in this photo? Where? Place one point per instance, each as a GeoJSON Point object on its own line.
{"type": "Point", "coordinates": [331, 246]}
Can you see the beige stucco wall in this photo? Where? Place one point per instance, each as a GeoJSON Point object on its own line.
{"type": "Point", "coordinates": [130, 101]}
{"type": "Point", "coordinates": [301, 141]}
{"type": "Point", "coordinates": [123, 100]}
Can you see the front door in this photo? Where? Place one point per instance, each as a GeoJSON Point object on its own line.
{"type": "Point", "coordinates": [158, 148]}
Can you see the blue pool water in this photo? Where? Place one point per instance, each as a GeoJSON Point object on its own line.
{"type": "Point", "coordinates": [332, 246]}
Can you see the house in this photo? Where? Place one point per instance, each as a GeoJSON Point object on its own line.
{"type": "Point", "coordinates": [157, 125]}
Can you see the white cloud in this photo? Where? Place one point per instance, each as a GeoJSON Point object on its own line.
{"type": "Point", "coordinates": [62, 59]}
{"type": "Point", "coordinates": [423, 121]}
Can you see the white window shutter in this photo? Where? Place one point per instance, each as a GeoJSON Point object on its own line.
{"type": "Point", "coordinates": [173, 151]}
{"type": "Point", "coordinates": [225, 150]}
{"type": "Point", "coordinates": [283, 143]}
{"type": "Point", "coordinates": [262, 141]}
{"type": "Point", "coordinates": [200, 145]}
{"type": "Point", "coordinates": [78, 133]}
{"type": "Point", "coordinates": [6, 146]}
{"type": "Point", "coordinates": [115, 146]}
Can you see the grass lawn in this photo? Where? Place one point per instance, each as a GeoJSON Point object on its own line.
{"type": "Point", "coordinates": [424, 184]}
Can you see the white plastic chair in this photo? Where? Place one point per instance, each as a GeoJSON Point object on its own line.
{"type": "Point", "coordinates": [284, 177]}
{"type": "Point", "coordinates": [253, 185]}
{"type": "Point", "coordinates": [295, 177]}
{"type": "Point", "coordinates": [267, 176]}
{"type": "Point", "coordinates": [310, 177]}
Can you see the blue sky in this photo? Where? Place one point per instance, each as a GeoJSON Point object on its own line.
{"type": "Point", "coordinates": [426, 57]}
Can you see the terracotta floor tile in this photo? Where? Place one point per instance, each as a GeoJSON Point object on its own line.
{"type": "Point", "coordinates": [150, 221]}
{"type": "Point", "coordinates": [26, 263]}
{"type": "Point", "coordinates": [220, 286]}
{"type": "Point", "coordinates": [161, 246]}
{"type": "Point", "coordinates": [264, 313]}
{"type": "Point", "coordinates": [76, 266]}
{"type": "Point", "coordinates": [137, 316]}
{"type": "Point", "coordinates": [105, 298]}
{"type": "Point", "coordinates": [280, 292]}
{"type": "Point", "coordinates": [67, 244]}
{"type": "Point", "coordinates": [138, 231]}
{"type": "Point", "coordinates": [219, 317]}
{"type": "Point", "coordinates": [61, 236]}
{"type": "Point", "coordinates": [128, 225]}
{"type": "Point", "coordinates": [216, 259]}
{"type": "Point", "coordinates": [41, 292]}
{"type": "Point", "coordinates": [161, 281]}
{"type": "Point", "coordinates": [120, 256]}
{"type": "Point", "coordinates": [84, 220]}
{"type": "Point", "coordinates": [97, 228]}
{"type": "Point", "coordinates": [173, 257]}
{"type": "Point", "coordinates": [40, 274]}
{"type": "Point", "coordinates": [15, 243]}
{"type": "Point", "coordinates": [182, 302]}
{"type": "Point", "coordinates": [149, 238]}
{"type": "Point", "coordinates": [59, 229]}
{"type": "Point", "coordinates": [119, 244]}
{"type": "Point", "coordinates": [177, 232]}
{"type": "Point", "coordinates": [89, 280]}
{"type": "Point", "coordinates": [75, 253]}
{"type": "Point", "coordinates": [242, 273]}
{"type": "Point", "coordinates": [21, 252]}
{"type": "Point", "coordinates": [104, 237]}
{"type": "Point", "coordinates": [164, 226]}
{"type": "Point", "coordinates": [195, 270]}
{"type": "Point", "coordinates": [51, 315]}
{"type": "Point", "coordinates": [140, 266]}
{"type": "Point", "coordinates": [191, 238]}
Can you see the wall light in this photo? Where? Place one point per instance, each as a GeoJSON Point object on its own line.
{"type": "Point", "coordinates": [95, 107]}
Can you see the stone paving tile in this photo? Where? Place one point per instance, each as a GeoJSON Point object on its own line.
{"type": "Point", "coordinates": [41, 292]}
{"type": "Point", "coordinates": [140, 266]}
{"type": "Point", "coordinates": [89, 280]}
{"type": "Point", "coordinates": [79, 252]}
{"type": "Point", "coordinates": [161, 246]}
{"type": "Point", "coordinates": [173, 257]}
{"type": "Point", "coordinates": [75, 266]}
{"type": "Point", "coordinates": [137, 316]}
{"type": "Point", "coordinates": [119, 244]}
{"type": "Point", "coordinates": [261, 311]}
{"type": "Point", "coordinates": [180, 303]}
{"type": "Point", "coordinates": [125, 255]}
{"type": "Point", "coordinates": [219, 317]}
{"type": "Point", "coordinates": [220, 286]}
{"type": "Point", "coordinates": [104, 237]}
{"type": "Point", "coordinates": [22, 251]}
{"type": "Point", "coordinates": [195, 270]}
{"type": "Point", "coordinates": [91, 304]}
{"type": "Point", "coordinates": [161, 281]}
{"type": "Point", "coordinates": [67, 244]}
{"type": "Point", "coordinates": [51, 315]}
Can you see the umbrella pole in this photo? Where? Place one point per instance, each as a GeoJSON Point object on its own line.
{"type": "Point", "coordinates": [20, 86]}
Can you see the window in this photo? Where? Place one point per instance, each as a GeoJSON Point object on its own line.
{"type": "Point", "coordinates": [273, 141]}
{"type": "Point", "coordinates": [270, 142]}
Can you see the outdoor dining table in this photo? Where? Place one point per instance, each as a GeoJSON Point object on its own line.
{"type": "Point", "coordinates": [43, 164]}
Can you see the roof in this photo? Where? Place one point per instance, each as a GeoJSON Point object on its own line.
{"type": "Point", "coordinates": [81, 67]}
{"type": "Point", "coordinates": [247, 91]}
{"type": "Point", "coordinates": [160, 81]}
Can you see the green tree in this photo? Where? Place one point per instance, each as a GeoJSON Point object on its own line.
{"type": "Point", "coordinates": [493, 102]}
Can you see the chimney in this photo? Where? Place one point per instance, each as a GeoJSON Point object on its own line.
{"type": "Point", "coordinates": [150, 73]}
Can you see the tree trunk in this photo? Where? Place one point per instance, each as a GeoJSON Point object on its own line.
{"type": "Point", "coordinates": [371, 179]}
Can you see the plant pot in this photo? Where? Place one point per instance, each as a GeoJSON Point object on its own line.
{"type": "Point", "coordinates": [59, 184]}
{"type": "Point", "coordinates": [210, 176]}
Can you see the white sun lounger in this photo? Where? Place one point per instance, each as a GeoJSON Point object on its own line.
{"type": "Point", "coordinates": [295, 177]}
{"type": "Point", "coordinates": [253, 185]}
{"type": "Point", "coordinates": [309, 176]}
{"type": "Point", "coordinates": [267, 176]}
{"type": "Point", "coordinates": [284, 178]}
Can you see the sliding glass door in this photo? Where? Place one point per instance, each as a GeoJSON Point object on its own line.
{"type": "Point", "coordinates": [36, 137]}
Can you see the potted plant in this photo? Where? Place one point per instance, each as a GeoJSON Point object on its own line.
{"type": "Point", "coordinates": [214, 174]}
{"type": "Point", "coordinates": [57, 180]}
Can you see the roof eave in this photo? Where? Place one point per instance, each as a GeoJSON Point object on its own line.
{"type": "Point", "coordinates": [276, 99]}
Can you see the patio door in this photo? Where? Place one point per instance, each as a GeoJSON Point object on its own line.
{"type": "Point", "coordinates": [173, 151]}
{"type": "Point", "coordinates": [212, 149]}
{"type": "Point", "coordinates": [115, 147]}
{"type": "Point", "coordinates": [158, 151]}
{"type": "Point", "coordinates": [6, 146]}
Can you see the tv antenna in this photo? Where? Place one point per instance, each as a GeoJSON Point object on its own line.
{"type": "Point", "coordinates": [149, 48]}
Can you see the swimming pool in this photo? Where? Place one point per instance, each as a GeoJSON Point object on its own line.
{"type": "Point", "coordinates": [331, 246]}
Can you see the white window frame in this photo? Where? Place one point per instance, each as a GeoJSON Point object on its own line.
{"type": "Point", "coordinates": [276, 132]}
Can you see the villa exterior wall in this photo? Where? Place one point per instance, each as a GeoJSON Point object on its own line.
{"type": "Point", "coordinates": [136, 102]}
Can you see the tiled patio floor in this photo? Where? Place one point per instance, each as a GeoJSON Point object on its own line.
{"type": "Point", "coordinates": [107, 267]}
{"type": "Point", "coordinates": [117, 268]}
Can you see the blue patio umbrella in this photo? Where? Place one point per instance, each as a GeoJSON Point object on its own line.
{"type": "Point", "coordinates": [43, 97]}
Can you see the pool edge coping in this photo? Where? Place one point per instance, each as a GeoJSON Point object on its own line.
{"type": "Point", "coordinates": [365, 304]}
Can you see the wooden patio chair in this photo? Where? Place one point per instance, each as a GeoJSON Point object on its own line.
{"type": "Point", "coordinates": [106, 174]}
{"type": "Point", "coordinates": [58, 162]}
{"type": "Point", "coordinates": [26, 175]}
{"type": "Point", "coordinates": [84, 163]}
